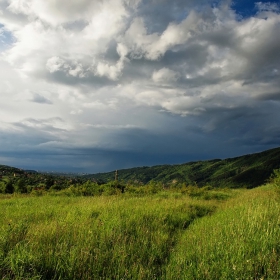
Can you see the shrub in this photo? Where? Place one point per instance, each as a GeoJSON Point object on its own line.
{"type": "Point", "coordinates": [6, 187]}
{"type": "Point", "coordinates": [114, 187]}
{"type": "Point", "coordinates": [275, 177]}
{"type": "Point", "coordinates": [2, 187]}
{"type": "Point", "coordinates": [20, 187]}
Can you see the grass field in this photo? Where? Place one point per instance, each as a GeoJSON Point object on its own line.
{"type": "Point", "coordinates": [225, 234]}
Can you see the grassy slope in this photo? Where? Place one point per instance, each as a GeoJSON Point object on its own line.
{"type": "Point", "coordinates": [245, 171]}
{"type": "Point", "coordinates": [92, 238]}
{"type": "Point", "coordinates": [240, 242]}
{"type": "Point", "coordinates": [164, 236]}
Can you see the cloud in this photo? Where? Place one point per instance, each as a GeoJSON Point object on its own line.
{"type": "Point", "coordinates": [40, 99]}
{"type": "Point", "coordinates": [270, 7]}
{"type": "Point", "coordinates": [98, 105]}
{"type": "Point", "coordinates": [124, 75]}
{"type": "Point", "coordinates": [53, 12]}
{"type": "Point", "coordinates": [112, 72]}
{"type": "Point", "coordinates": [54, 64]}
{"type": "Point", "coordinates": [165, 75]}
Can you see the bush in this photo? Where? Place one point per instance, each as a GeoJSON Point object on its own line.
{"type": "Point", "coordinates": [6, 187]}
{"type": "Point", "coordinates": [275, 177]}
{"type": "Point", "coordinates": [153, 187]}
{"type": "Point", "coordinates": [114, 185]}
{"type": "Point", "coordinates": [20, 187]}
{"type": "Point", "coordinates": [2, 187]}
{"type": "Point", "coordinates": [87, 189]}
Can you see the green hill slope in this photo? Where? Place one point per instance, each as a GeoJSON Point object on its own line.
{"type": "Point", "coordinates": [8, 170]}
{"type": "Point", "coordinates": [245, 171]}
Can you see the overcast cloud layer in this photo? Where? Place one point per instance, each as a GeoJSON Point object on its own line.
{"type": "Point", "coordinates": [98, 85]}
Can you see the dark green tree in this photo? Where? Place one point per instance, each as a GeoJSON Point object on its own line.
{"type": "Point", "coordinates": [20, 186]}
{"type": "Point", "coordinates": [9, 187]}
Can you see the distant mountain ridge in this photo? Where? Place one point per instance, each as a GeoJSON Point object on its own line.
{"type": "Point", "coordinates": [248, 171]}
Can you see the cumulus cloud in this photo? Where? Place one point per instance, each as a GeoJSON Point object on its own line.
{"type": "Point", "coordinates": [165, 75]}
{"type": "Point", "coordinates": [160, 65]}
{"type": "Point", "coordinates": [271, 7]}
{"type": "Point", "coordinates": [54, 64]}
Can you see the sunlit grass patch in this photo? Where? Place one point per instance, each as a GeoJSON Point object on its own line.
{"type": "Point", "coordinates": [168, 235]}
{"type": "Point", "coordinates": [94, 237]}
{"type": "Point", "coordinates": [240, 242]}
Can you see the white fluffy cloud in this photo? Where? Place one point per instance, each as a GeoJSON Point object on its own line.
{"type": "Point", "coordinates": [165, 75]}
{"type": "Point", "coordinates": [55, 64]}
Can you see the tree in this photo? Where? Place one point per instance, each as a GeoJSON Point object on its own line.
{"type": "Point", "coordinates": [20, 186]}
{"type": "Point", "coordinates": [275, 177]}
{"type": "Point", "coordinates": [9, 188]}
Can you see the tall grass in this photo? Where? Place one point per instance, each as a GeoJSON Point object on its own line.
{"type": "Point", "coordinates": [241, 241]}
{"type": "Point", "coordinates": [163, 236]}
{"type": "Point", "coordinates": [92, 238]}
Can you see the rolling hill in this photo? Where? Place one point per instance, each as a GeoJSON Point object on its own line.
{"type": "Point", "coordinates": [245, 171]}
{"type": "Point", "coordinates": [8, 170]}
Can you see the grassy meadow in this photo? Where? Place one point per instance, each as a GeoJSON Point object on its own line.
{"type": "Point", "coordinates": [191, 234]}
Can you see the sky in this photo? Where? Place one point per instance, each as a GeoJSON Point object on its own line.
{"type": "Point", "coordinates": [94, 86]}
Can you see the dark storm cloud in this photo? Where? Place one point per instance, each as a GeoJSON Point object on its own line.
{"type": "Point", "coordinates": [31, 133]}
{"type": "Point", "coordinates": [269, 96]}
{"type": "Point", "coordinates": [100, 159]}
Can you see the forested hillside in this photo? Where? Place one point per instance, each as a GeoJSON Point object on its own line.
{"type": "Point", "coordinates": [245, 171]}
